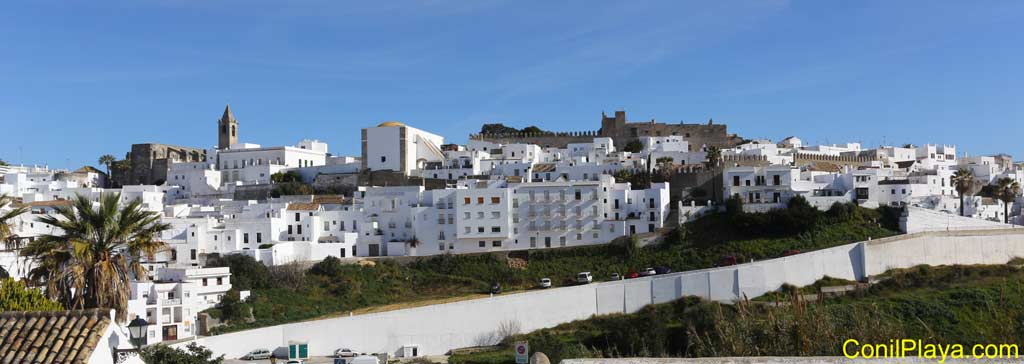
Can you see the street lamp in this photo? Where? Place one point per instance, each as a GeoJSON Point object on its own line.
{"type": "Point", "coordinates": [137, 332]}
{"type": "Point", "coordinates": [136, 336]}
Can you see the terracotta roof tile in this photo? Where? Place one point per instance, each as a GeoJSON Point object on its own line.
{"type": "Point", "coordinates": [303, 206]}
{"type": "Point", "coordinates": [51, 337]}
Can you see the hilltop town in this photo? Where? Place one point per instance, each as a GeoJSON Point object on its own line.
{"type": "Point", "coordinates": [410, 196]}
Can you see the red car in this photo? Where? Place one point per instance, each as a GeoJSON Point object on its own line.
{"type": "Point", "coordinates": [727, 260]}
{"type": "Point", "coordinates": [632, 275]}
{"type": "Point", "coordinates": [791, 252]}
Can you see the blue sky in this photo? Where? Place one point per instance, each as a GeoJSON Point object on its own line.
{"type": "Point", "coordinates": [84, 78]}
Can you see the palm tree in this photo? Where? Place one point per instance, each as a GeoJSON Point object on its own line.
{"type": "Point", "coordinates": [1007, 190]}
{"type": "Point", "coordinates": [714, 155]}
{"type": "Point", "coordinates": [107, 160]}
{"type": "Point", "coordinates": [963, 181]}
{"type": "Point", "coordinates": [92, 261]}
{"type": "Point", "coordinates": [6, 233]}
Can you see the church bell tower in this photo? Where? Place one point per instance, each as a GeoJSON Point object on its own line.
{"type": "Point", "coordinates": [227, 129]}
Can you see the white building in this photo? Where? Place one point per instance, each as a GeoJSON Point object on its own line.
{"type": "Point", "coordinates": [397, 147]}
{"type": "Point", "coordinates": [171, 302]}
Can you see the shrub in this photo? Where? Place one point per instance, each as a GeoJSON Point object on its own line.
{"type": "Point", "coordinates": [246, 272]}
{"type": "Point", "coordinates": [163, 354]}
{"type": "Point", "coordinates": [15, 296]}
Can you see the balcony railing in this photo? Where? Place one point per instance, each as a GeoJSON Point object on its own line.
{"type": "Point", "coordinates": [171, 301]}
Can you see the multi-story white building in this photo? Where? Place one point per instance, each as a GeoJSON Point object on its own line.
{"type": "Point", "coordinates": [394, 146]}
{"type": "Point", "coordinates": [171, 302]}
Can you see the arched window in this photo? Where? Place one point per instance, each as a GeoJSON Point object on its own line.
{"type": "Point", "coordinates": [232, 130]}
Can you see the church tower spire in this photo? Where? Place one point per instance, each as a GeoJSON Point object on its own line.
{"type": "Point", "coordinates": [227, 129]}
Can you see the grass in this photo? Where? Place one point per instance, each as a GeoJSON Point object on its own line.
{"type": "Point", "coordinates": [952, 304]}
{"type": "Point", "coordinates": [288, 294]}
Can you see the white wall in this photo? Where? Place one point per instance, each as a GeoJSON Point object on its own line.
{"type": "Point", "coordinates": [433, 328]}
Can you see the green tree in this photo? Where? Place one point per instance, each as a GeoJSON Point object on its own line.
{"type": "Point", "coordinates": [6, 233]}
{"type": "Point", "coordinates": [533, 130]}
{"type": "Point", "coordinates": [1007, 191]}
{"type": "Point", "coordinates": [289, 176]}
{"type": "Point", "coordinates": [107, 160]}
{"type": "Point", "coordinates": [193, 354]}
{"type": "Point", "coordinates": [3, 163]}
{"type": "Point", "coordinates": [97, 253]}
{"type": "Point", "coordinates": [246, 272]}
{"type": "Point", "coordinates": [963, 182]}
{"type": "Point", "coordinates": [633, 146]}
{"type": "Point", "coordinates": [15, 296]}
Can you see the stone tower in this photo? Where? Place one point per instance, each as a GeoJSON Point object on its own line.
{"type": "Point", "coordinates": [227, 129]}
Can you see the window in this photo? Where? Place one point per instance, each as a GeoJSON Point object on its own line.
{"type": "Point", "coordinates": [495, 229]}
{"type": "Point", "coordinates": [495, 214]}
{"type": "Point", "coordinates": [579, 236]}
{"type": "Point", "coordinates": [193, 254]}
{"type": "Point", "coordinates": [495, 200]}
{"type": "Point", "coordinates": [467, 200]}
{"type": "Point", "coordinates": [289, 229]}
{"type": "Point", "coordinates": [483, 243]}
{"type": "Point", "coordinates": [579, 195]}
{"type": "Point", "coordinates": [220, 281]}
{"type": "Point", "coordinates": [468, 229]}
{"type": "Point", "coordinates": [259, 237]}
{"type": "Point", "coordinates": [561, 240]}
{"type": "Point", "coordinates": [479, 214]}
{"type": "Point", "coordinates": [479, 200]}
{"type": "Point", "coordinates": [383, 159]}
{"type": "Point", "coordinates": [245, 238]}
{"type": "Point", "coordinates": [533, 241]}
{"type": "Point", "coordinates": [327, 225]}
{"type": "Point", "coordinates": [205, 283]}
{"type": "Point", "coordinates": [480, 229]}
{"type": "Point", "coordinates": [735, 180]}
{"type": "Point", "coordinates": [466, 215]}
{"type": "Point", "coordinates": [650, 203]}
{"type": "Point", "coordinates": [547, 241]}
{"type": "Point", "coordinates": [297, 216]}
{"type": "Point", "coordinates": [496, 243]}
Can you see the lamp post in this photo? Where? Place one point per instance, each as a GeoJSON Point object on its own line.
{"type": "Point", "coordinates": [136, 336]}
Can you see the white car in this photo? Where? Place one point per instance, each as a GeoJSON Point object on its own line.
{"type": "Point", "coordinates": [584, 278]}
{"type": "Point", "coordinates": [545, 283]}
{"type": "Point", "coordinates": [344, 353]}
{"type": "Point", "coordinates": [257, 354]}
{"type": "Point", "coordinates": [648, 272]}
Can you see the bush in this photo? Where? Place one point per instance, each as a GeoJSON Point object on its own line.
{"type": "Point", "coordinates": [328, 267]}
{"type": "Point", "coordinates": [246, 272]}
{"type": "Point", "coordinates": [163, 354]}
{"type": "Point", "coordinates": [15, 296]}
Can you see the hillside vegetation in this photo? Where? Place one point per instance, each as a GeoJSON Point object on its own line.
{"type": "Point", "coordinates": [289, 293]}
{"type": "Point", "coordinates": [954, 304]}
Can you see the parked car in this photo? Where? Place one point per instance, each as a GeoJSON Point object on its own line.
{"type": "Point", "coordinates": [545, 283]}
{"type": "Point", "coordinates": [257, 354]}
{"type": "Point", "coordinates": [648, 272]}
{"type": "Point", "coordinates": [616, 276]}
{"type": "Point", "coordinates": [662, 269]}
{"type": "Point", "coordinates": [295, 361]}
{"type": "Point", "coordinates": [727, 260]}
{"type": "Point", "coordinates": [584, 278]}
{"type": "Point", "coordinates": [632, 274]}
{"type": "Point", "coordinates": [344, 353]}
{"type": "Point", "coordinates": [495, 288]}
{"type": "Point", "coordinates": [791, 252]}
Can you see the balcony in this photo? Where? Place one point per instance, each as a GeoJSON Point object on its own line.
{"type": "Point", "coordinates": [171, 302]}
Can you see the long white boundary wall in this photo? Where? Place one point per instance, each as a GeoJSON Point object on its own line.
{"type": "Point", "coordinates": [439, 328]}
